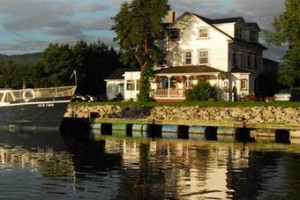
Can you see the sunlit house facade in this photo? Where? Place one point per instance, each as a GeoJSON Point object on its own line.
{"type": "Point", "coordinates": [224, 52]}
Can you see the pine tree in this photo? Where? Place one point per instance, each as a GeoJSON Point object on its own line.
{"type": "Point", "coordinates": [138, 26]}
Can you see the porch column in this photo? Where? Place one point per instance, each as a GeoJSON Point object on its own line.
{"type": "Point", "coordinates": [169, 84]}
{"type": "Point", "coordinates": [187, 81]}
{"type": "Point", "coordinates": [218, 85]}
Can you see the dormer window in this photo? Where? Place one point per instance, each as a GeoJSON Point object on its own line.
{"type": "Point", "coordinates": [203, 32]}
{"type": "Point", "coordinates": [239, 33]}
{"type": "Point", "coordinates": [253, 36]}
{"type": "Point", "coordinates": [174, 34]}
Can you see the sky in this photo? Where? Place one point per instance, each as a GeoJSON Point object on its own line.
{"type": "Point", "coordinates": [28, 26]}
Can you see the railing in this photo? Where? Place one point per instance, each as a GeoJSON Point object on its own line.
{"type": "Point", "coordinates": [169, 93]}
{"type": "Point", "coordinates": [44, 92]}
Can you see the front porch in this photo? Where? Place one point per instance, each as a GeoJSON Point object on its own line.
{"type": "Point", "coordinates": [173, 87]}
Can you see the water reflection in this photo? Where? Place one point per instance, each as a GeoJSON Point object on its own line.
{"type": "Point", "coordinates": [48, 166]}
{"type": "Point", "coordinates": [32, 164]}
{"type": "Point", "coordinates": [165, 169]}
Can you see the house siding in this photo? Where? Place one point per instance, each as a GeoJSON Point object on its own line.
{"type": "Point", "coordinates": [216, 44]}
{"type": "Point", "coordinates": [231, 57]}
{"type": "Point", "coordinates": [131, 79]}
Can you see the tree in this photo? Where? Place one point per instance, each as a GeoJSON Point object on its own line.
{"type": "Point", "coordinates": [58, 63]}
{"type": "Point", "coordinates": [287, 32]}
{"type": "Point", "coordinates": [138, 26]}
{"type": "Point", "coordinates": [13, 75]}
{"type": "Point", "coordinates": [94, 62]}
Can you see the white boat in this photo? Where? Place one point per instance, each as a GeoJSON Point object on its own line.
{"type": "Point", "coordinates": [31, 108]}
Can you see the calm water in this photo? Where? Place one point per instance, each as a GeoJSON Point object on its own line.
{"type": "Point", "coordinates": [48, 166]}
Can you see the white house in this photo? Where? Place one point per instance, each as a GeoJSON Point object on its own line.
{"type": "Point", "coordinates": [224, 52]}
{"type": "Point", "coordinates": [131, 79]}
{"type": "Point", "coordinates": [123, 82]}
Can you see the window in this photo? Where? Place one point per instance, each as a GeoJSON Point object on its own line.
{"type": "Point", "coordinates": [174, 34]}
{"type": "Point", "coordinates": [203, 33]}
{"type": "Point", "coordinates": [249, 61]}
{"type": "Point", "coordinates": [234, 58]}
{"type": "Point", "coordinates": [130, 85]}
{"type": "Point", "coordinates": [244, 84]}
{"type": "Point", "coordinates": [255, 62]}
{"type": "Point", "coordinates": [110, 88]}
{"type": "Point", "coordinates": [188, 58]}
{"type": "Point", "coordinates": [238, 33]}
{"type": "Point", "coordinates": [243, 60]}
{"type": "Point", "coordinates": [137, 84]}
{"type": "Point", "coordinates": [203, 56]}
{"type": "Point", "coordinates": [253, 36]}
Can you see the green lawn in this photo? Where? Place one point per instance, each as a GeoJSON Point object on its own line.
{"type": "Point", "coordinates": [202, 104]}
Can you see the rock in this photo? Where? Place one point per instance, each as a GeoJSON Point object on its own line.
{"type": "Point", "coordinates": [252, 114]}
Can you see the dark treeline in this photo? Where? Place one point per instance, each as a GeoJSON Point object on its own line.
{"type": "Point", "coordinates": [93, 63]}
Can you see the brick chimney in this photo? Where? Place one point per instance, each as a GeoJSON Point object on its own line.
{"type": "Point", "coordinates": [171, 17]}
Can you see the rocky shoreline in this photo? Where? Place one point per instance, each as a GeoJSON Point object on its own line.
{"type": "Point", "coordinates": [257, 114]}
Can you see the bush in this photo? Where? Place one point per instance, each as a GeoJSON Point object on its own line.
{"type": "Point", "coordinates": [144, 87]}
{"type": "Point", "coordinates": [203, 91]}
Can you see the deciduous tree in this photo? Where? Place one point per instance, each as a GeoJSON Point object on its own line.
{"type": "Point", "coordinates": [138, 26]}
{"type": "Point", "coordinates": [287, 32]}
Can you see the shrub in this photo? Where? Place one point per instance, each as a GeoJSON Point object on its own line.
{"type": "Point", "coordinates": [203, 91]}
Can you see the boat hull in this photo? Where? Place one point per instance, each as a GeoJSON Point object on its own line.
{"type": "Point", "coordinates": [40, 113]}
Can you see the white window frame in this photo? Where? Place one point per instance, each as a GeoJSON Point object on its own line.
{"type": "Point", "coordinates": [174, 32]}
{"type": "Point", "coordinates": [186, 57]}
{"type": "Point", "coordinates": [200, 57]}
{"type": "Point", "coordinates": [244, 84]}
{"type": "Point", "coordinates": [200, 36]}
{"type": "Point", "coordinates": [130, 85]}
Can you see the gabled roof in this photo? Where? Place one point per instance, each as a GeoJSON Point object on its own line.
{"type": "Point", "coordinates": [188, 70]}
{"type": "Point", "coordinates": [213, 22]}
{"type": "Point", "coordinates": [249, 44]}
{"type": "Point", "coordinates": [226, 20]}
{"type": "Point", "coordinates": [220, 20]}
{"type": "Point", "coordinates": [210, 22]}
{"type": "Point", "coordinates": [253, 25]}
{"type": "Point", "coordinates": [118, 74]}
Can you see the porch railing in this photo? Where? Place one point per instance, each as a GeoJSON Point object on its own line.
{"type": "Point", "coordinates": [169, 93]}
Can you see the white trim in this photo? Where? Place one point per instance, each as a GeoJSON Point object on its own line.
{"type": "Point", "coordinates": [35, 102]}
{"type": "Point", "coordinates": [199, 56]}
{"type": "Point", "coordinates": [204, 28]}
{"type": "Point", "coordinates": [185, 57]}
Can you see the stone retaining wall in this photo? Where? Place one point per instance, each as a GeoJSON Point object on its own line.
{"type": "Point", "coordinates": [250, 114]}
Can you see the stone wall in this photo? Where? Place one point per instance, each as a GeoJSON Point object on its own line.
{"type": "Point", "coordinates": [250, 114]}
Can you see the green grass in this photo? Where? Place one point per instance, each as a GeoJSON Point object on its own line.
{"type": "Point", "coordinates": [201, 104]}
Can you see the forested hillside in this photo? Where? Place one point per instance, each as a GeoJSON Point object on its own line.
{"type": "Point", "coordinates": [26, 59]}
{"type": "Point", "coordinates": [53, 67]}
